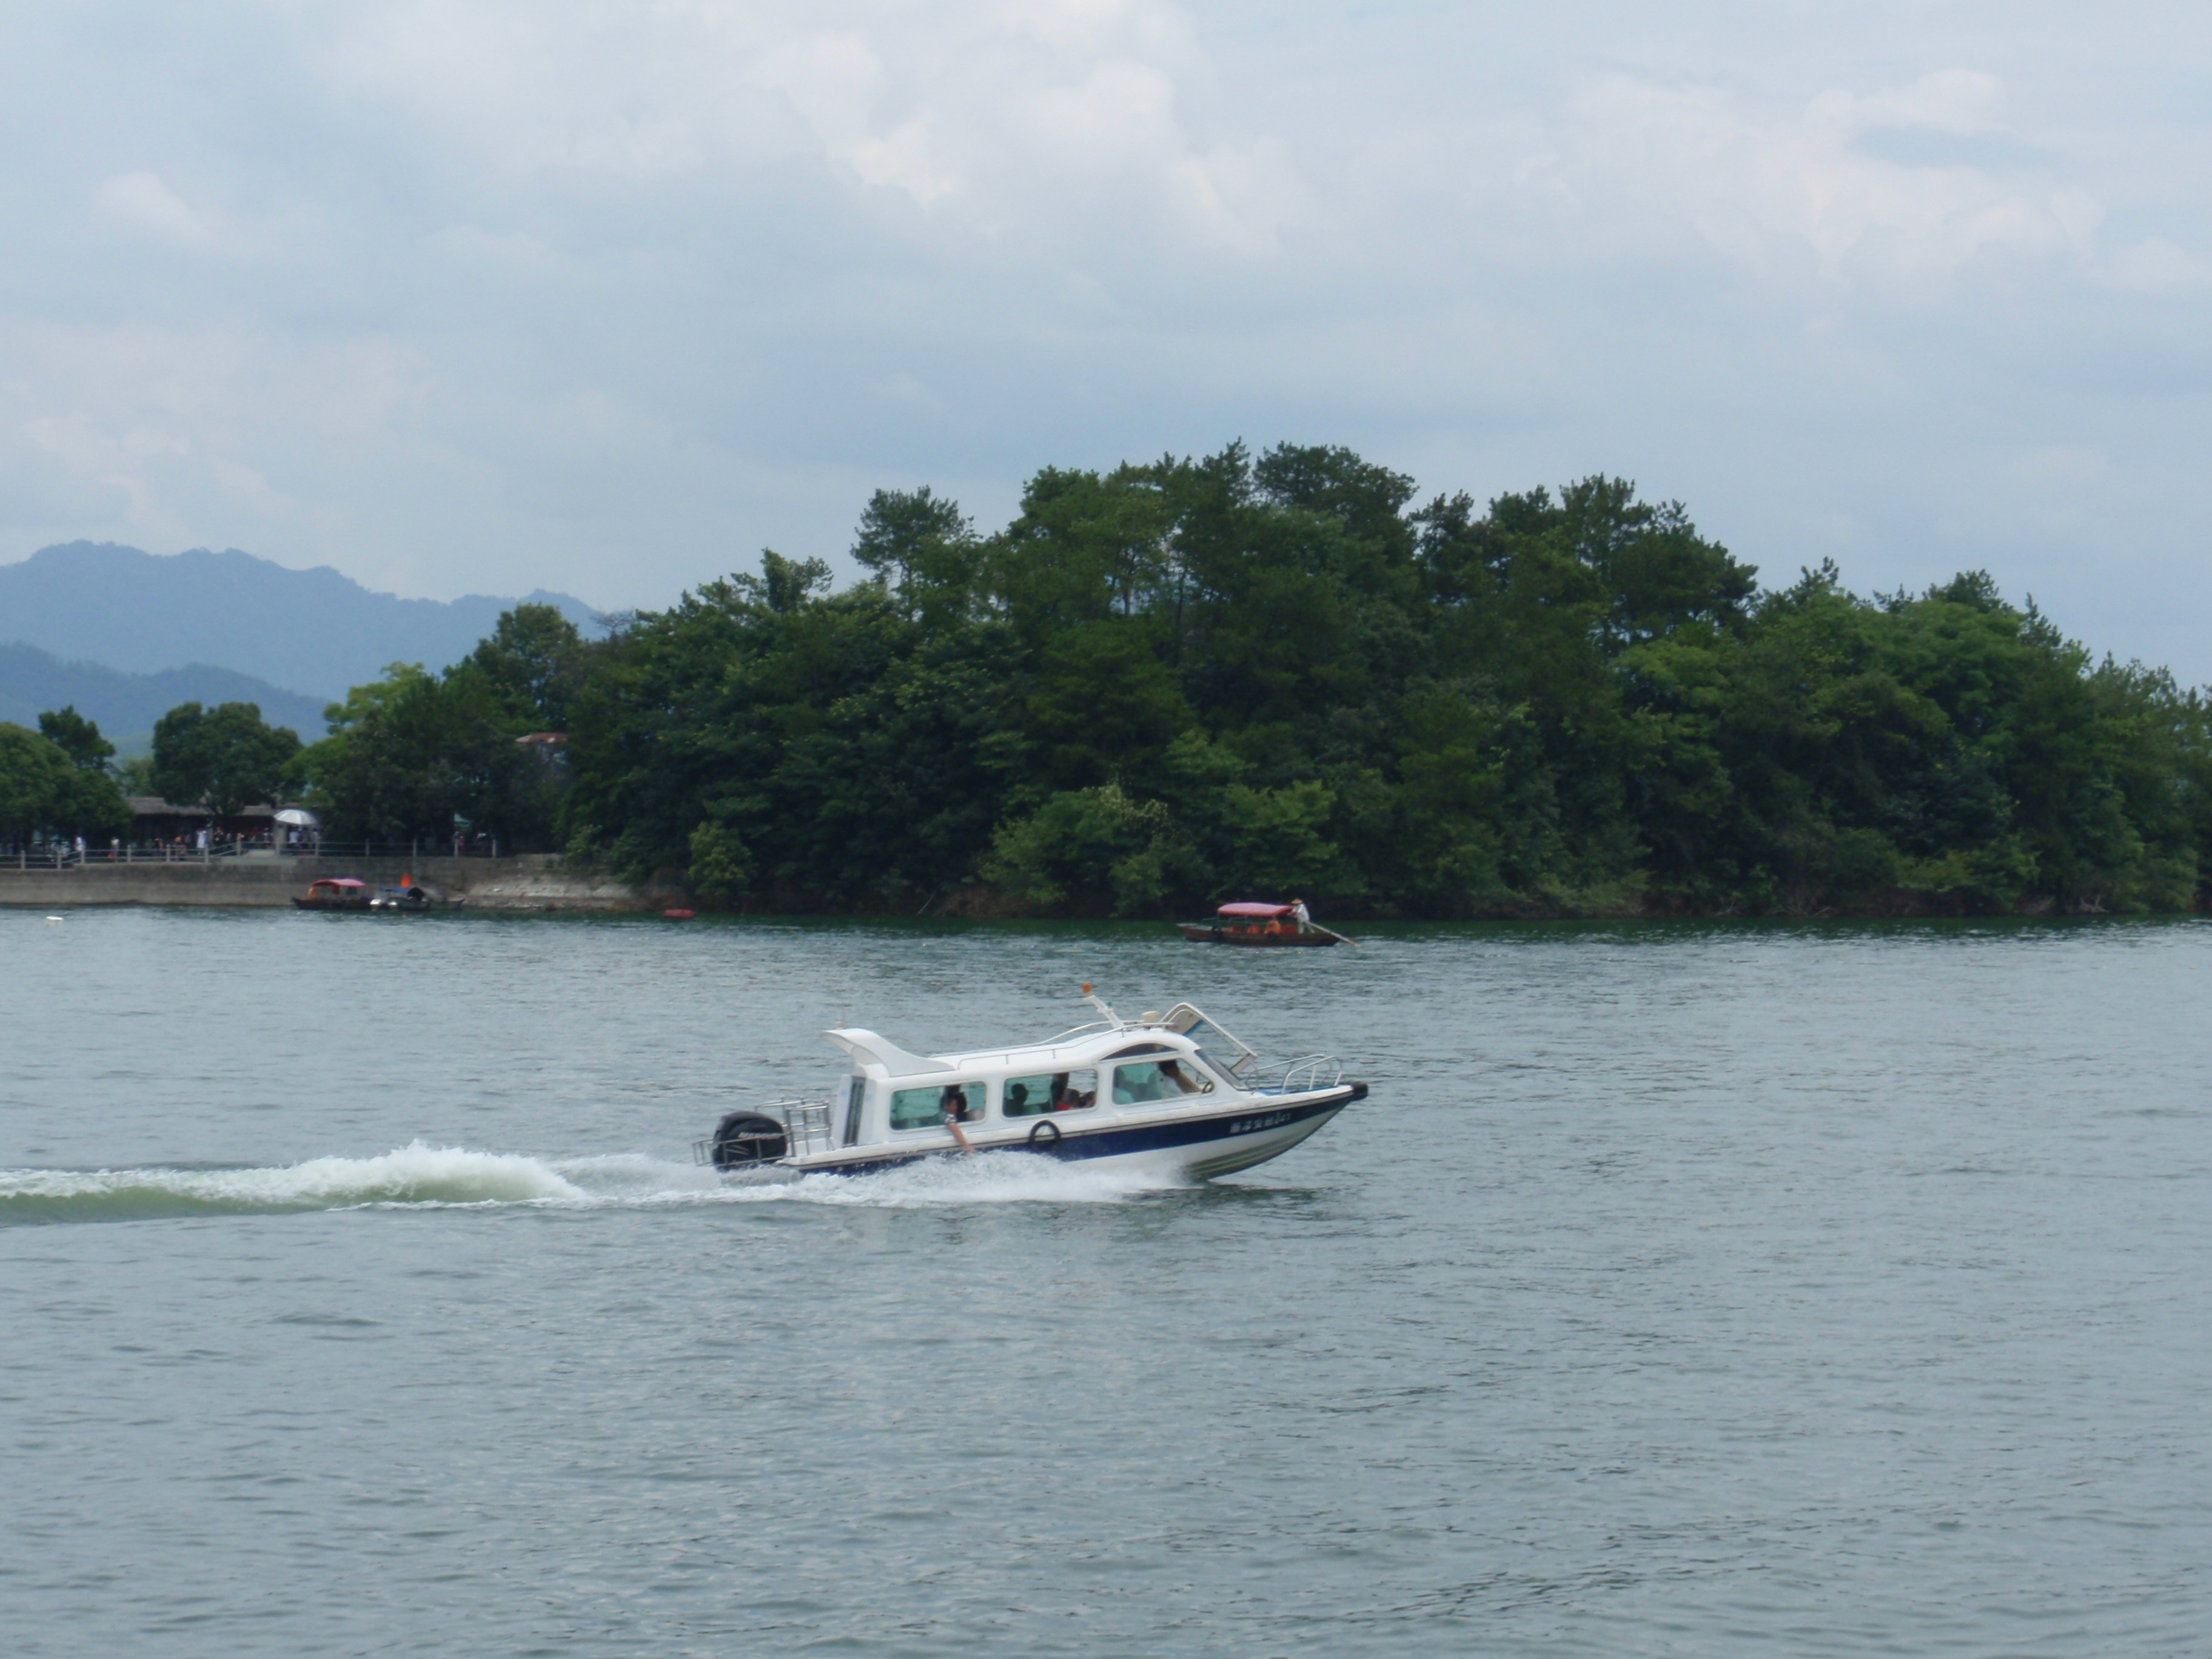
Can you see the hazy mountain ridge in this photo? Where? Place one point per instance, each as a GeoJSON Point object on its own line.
{"type": "Point", "coordinates": [316, 632]}
{"type": "Point", "coordinates": [126, 706]}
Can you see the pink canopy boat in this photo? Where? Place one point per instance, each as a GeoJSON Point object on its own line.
{"type": "Point", "coordinates": [1251, 922]}
{"type": "Point", "coordinates": [336, 893]}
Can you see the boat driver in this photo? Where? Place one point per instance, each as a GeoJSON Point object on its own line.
{"type": "Point", "coordinates": [1174, 1072]}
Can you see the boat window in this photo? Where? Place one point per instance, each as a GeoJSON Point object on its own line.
{"type": "Point", "coordinates": [1143, 1082]}
{"type": "Point", "coordinates": [925, 1109]}
{"type": "Point", "coordinates": [853, 1101]}
{"type": "Point", "coordinates": [1049, 1091]}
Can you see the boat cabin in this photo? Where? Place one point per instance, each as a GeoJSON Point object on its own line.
{"type": "Point", "coordinates": [1001, 1095]}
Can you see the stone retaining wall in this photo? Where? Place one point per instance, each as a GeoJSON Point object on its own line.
{"type": "Point", "coordinates": [534, 883]}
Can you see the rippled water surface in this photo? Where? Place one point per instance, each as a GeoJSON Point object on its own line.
{"type": "Point", "coordinates": [1681, 1290]}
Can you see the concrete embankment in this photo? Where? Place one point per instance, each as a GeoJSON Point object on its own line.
{"type": "Point", "coordinates": [517, 884]}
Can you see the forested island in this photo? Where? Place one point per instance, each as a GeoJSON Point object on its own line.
{"type": "Point", "coordinates": [1200, 679]}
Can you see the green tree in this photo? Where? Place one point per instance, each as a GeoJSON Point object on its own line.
{"type": "Point", "coordinates": [411, 753]}
{"type": "Point", "coordinates": [534, 659]}
{"type": "Point", "coordinates": [720, 867]}
{"type": "Point", "coordinates": [1225, 674]}
{"type": "Point", "coordinates": [34, 774]}
{"type": "Point", "coordinates": [223, 759]}
{"type": "Point", "coordinates": [1097, 847]}
{"type": "Point", "coordinates": [858, 752]}
{"type": "Point", "coordinates": [78, 737]}
{"type": "Point", "coordinates": [1104, 704]}
{"type": "Point", "coordinates": [924, 549]}
{"type": "Point", "coordinates": [43, 790]}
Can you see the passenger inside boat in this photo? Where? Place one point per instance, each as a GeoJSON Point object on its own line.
{"type": "Point", "coordinates": [956, 1112]}
{"type": "Point", "coordinates": [1059, 1091]}
{"type": "Point", "coordinates": [925, 1109]}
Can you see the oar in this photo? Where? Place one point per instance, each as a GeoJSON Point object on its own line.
{"type": "Point", "coordinates": [1332, 934]}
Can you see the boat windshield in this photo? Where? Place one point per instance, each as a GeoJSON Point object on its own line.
{"type": "Point", "coordinates": [1139, 1083]}
{"type": "Point", "coordinates": [1223, 1052]}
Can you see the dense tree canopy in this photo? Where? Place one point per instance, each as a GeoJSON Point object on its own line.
{"type": "Point", "coordinates": [1233, 676]}
{"type": "Point", "coordinates": [78, 737]}
{"type": "Point", "coordinates": [45, 790]}
{"type": "Point", "coordinates": [417, 754]}
{"type": "Point", "coordinates": [223, 759]}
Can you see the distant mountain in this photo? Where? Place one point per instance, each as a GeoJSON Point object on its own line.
{"type": "Point", "coordinates": [126, 706]}
{"type": "Point", "coordinates": [315, 631]}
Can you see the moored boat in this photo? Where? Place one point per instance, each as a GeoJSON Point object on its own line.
{"type": "Point", "coordinates": [1250, 923]}
{"type": "Point", "coordinates": [412, 896]}
{"type": "Point", "coordinates": [1169, 1093]}
{"type": "Point", "coordinates": [335, 893]}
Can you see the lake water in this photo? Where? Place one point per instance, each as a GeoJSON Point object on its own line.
{"type": "Point", "coordinates": [1681, 1290]}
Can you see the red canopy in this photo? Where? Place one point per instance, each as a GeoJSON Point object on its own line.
{"type": "Point", "coordinates": [337, 881]}
{"type": "Point", "coordinates": [1251, 909]}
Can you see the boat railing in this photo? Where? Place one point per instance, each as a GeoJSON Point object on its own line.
{"type": "Point", "coordinates": [1078, 1031]}
{"type": "Point", "coordinates": [1303, 1075]}
{"type": "Point", "coordinates": [805, 1126]}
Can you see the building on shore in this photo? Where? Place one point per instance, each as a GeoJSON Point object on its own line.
{"type": "Point", "coordinates": [154, 820]}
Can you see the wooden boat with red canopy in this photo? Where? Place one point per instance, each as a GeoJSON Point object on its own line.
{"type": "Point", "coordinates": [336, 893]}
{"type": "Point", "coordinates": [1250, 923]}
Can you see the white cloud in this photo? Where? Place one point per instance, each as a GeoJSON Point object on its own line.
{"type": "Point", "coordinates": [2155, 265]}
{"type": "Point", "coordinates": [141, 203]}
{"type": "Point", "coordinates": [1756, 185]}
{"type": "Point", "coordinates": [216, 434]}
{"type": "Point", "coordinates": [605, 296]}
{"type": "Point", "coordinates": [1955, 101]}
{"type": "Point", "coordinates": [1045, 115]}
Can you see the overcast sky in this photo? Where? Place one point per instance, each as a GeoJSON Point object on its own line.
{"type": "Point", "coordinates": [461, 296]}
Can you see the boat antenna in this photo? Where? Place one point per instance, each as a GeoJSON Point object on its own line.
{"type": "Point", "coordinates": [1099, 1003]}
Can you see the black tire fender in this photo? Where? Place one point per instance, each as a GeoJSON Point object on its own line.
{"type": "Point", "coordinates": [1040, 1141]}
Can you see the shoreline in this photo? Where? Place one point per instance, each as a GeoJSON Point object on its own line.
{"type": "Point", "coordinates": [536, 883]}
{"type": "Point", "coordinates": [529, 883]}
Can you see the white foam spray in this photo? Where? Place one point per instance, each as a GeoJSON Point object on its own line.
{"type": "Point", "coordinates": [422, 1175]}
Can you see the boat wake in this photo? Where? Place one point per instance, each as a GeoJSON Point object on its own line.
{"type": "Point", "coordinates": [420, 1177]}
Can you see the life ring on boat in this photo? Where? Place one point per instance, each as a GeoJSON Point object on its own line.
{"type": "Point", "coordinates": [1039, 1140]}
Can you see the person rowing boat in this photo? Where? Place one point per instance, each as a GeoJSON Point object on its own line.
{"type": "Point", "coordinates": [1250, 922]}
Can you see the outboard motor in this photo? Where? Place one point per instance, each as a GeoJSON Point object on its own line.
{"type": "Point", "coordinates": [743, 1139]}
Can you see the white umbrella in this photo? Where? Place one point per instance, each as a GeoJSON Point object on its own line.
{"type": "Point", "coordinates": [300, 816]}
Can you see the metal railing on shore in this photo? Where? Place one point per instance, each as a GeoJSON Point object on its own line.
{"type": "Point", "coordinates": [59, 855]}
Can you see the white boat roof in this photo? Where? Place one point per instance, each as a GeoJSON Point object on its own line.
{"type": "Point", "coordinates": [1080, 1046]}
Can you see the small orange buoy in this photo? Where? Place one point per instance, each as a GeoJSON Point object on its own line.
{"type": "Point", "coordinates": [677, 915]}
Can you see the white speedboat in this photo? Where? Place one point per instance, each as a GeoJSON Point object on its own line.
{"type": "Point", "coordinates": [1172, 1093]}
